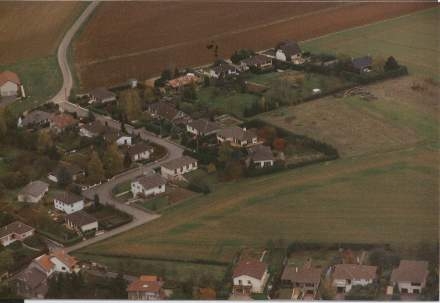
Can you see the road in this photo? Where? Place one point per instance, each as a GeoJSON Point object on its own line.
{"type": "Point", "coordinates": [105, 190]}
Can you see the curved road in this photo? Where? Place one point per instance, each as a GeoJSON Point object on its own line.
{"type": "Point", "coordinates": [105, 190]}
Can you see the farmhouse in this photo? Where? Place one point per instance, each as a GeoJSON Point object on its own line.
{"type": "Point", "coordinates": [174, 169]}
{"type": "Point", "coordinates": [289, 51]}
{"type": "Point", "coordinates": [91, 130]}
{"type": "Point", "coordinates": [35, 118]}
{"type": "Point", "coordinates": [237, 136]}
{"type": "Point", "coordinates": [410, 277]}
{"type": "Point", "coordinates": [33, 192]}
{"type": "Point", "coordinates": [362, 64]}
{"type": "Point", "coordinates": [140, 151]}
{"type": "Point", "coordinates": [15, 231]}
{"type": "Point", "coordinates": [68, 202]}
{"type": "Point", "coordinates": [56, 261]}
{"type": "Point", "coordinates": [249, 276]}
{"type": "Point", "coordinates": [81, 221]}
{"type": "Point", "coordinates": [166, 111]}
{"type": "Point", "coordinates": [306, 279]}
{"type": "Point", "coordinates": [223, 70]}
{"type": "Point", "coordinates": [261, 156]}
{"type": "Point", "coordinates": [345, 276]}
{"type": "Point", "coordinates": [146, 288]}
{"type": "Point", "coordinates": [202, 127]}
{"type": "Point", "coordinates": [60, 122]}
{"type": "Point", "coordinates": [257, 62]}
{"type": "Point", "coordinates": [9, 84]}
{"type": "Point", "coordinates": [101, 95]}
{"type": "Point", "coordinates": [148, 185]}
{"type": "Point", "coordinates": [182, 81]}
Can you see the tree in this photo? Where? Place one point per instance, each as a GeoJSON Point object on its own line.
{"type": "Point", "coordinates": [149, 95]}
{"type": "Point", "coordinates": [130, 104]}
{"type": "Point", "coordinates": [279, 144]}
{"type": "Point", "coordinates": [391, 64]}
{"type": "Point", "coordinates": [127, 160]}
{"type": "Point", "coordinates": [44, 141]}
{"type": "Point", "coordinates": [96, 202]}
{"type": "Point", "coordinates": [241, 54]}
{"type": "Point", "coordinates": [91, 116]}
{"type": "Point", "coordinates": [113, 160]}
{"type": "Point", "coordinates": [327, 292]}
{"type": "Point", "coordinates": [224, 152]}
{"type": "Point", "coordinates": [396, 293]}
{"type": "Point", "coordinates": [166, 75]}
{"type": "Point", "coordinates": [64, 177]}
{"type": "Point", "coordinates": [95, 169]}
{"type": "Point", "coordinates": [118, 287]}
{"type": "Point", "coordinates": [364, 293]}
{"type": "Point", "coordinates": [3, 125]}
{"type": "Point", "coordinates": [189, 92]}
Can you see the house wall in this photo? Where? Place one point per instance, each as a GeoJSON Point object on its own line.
{"type": "Point", "coordinates": [280, 55]}
{"type": "Point", "coordinates": [124, 140]}
{"type": "Point", "coordinates": [86, 133]}
{"type": "Point", "coordinates": [262, 164]}
{"type": "Point", "coordinates": [143, 295]}
{"type": "Point", "coordinates": [411, 289]}
{"type": "Point", "coordinates": [60, 266]}
{"type": "Point", "coordinates": [9, 89]}
{"type": "Point", "coordinates": [168, 173]}
{"type": "Point", "coordinates": [192, 130]}
{"type": "Point", "coordinates": [137, 188]}
{"type": "Point", "coordinates": [68, 208]}
{"type": "Point", "coordinates": [11, 238]}
{"type": "Point", "coordinates": [142, 156]}
{"type": "Point", "coordinates": [257, 285]}
{"type": "Point", "coordinates": [347, 286]}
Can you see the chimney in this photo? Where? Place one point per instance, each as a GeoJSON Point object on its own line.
{"type": "Point", "coordinates": [244, 129]}
{"type": "Point", "coordinates": [296, 269]}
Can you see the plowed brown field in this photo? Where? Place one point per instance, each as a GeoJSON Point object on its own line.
{"type": "Point", "coordinates": [140, 39]}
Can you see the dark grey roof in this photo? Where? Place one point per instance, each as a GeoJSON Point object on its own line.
{"type": "Point", "coordinates": [68, 197]}
{"type": "Point", "coordinates": [151, 181]}
{"type": "Point", "coordinates": [35, 188]}
{"type": "Point", "coordinates": [179, 162]}
{"type": "Point", "coordinates": [289, 48]}
{"type": "Point", "coordinates": [260, 153]}
{"type": "Point", "coordinates": [35, 117]}
{"type": "Point", "coordinates": [102, 93]}
{"type": "Point", "coordinates": [256, 60]}
{"type": "Point", "coordinates": [15, 227]}
{"type": "Point", "coordinates": [223, 68]}
{"type": "Point", "coordinates": [362, 62]}
{"type": "Point", "coordinates": [204, 126]}
{"type": "Point", "coordinates": [95, 127]}
{"type": "Point", "coordinates": [80, 218]}
{"type": "Point", "coordinates": [139, 148]}
{"type": "Point", "coordinates": [33, 277]}
{"type": "Point", "coordinates": [164, 110]}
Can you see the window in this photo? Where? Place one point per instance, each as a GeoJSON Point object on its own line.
{"type": "Point", "coordinates": [416, 291]}
{"type": "Point", "coordinates": [415, 284]}
{"type": "Point", "coordinates": [249, 282]}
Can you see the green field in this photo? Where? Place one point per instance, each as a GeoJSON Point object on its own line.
{"type": "Point", "coordinates": [413, 40]}
{"type": "Point", "coordinates": [41, 79]}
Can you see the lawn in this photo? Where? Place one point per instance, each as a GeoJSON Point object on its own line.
{"type": "Point", "coordinates": [108, 217]}
{"type": "Point", "coordinates": [367, 199]}
{"type": "Point", "coordinates": [229, 102]}
{"type": "Point", "coordinates": [413, 40]}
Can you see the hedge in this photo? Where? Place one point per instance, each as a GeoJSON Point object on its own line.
{"type": "Point", "coordinates": [60, 240]}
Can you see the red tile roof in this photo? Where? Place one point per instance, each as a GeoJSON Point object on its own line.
{"type": "Point", "coordinates": [63, 120]}
{"type": "Point", "coordinates": [146, 284]}
{"type": "Point", "coordinates": [410, 271]}
{"type": "Point", "coordinates": [61, 255]}
{"type": "Point", "coordinates": [45, 263]}
{"type": "Point", "coordinates": [9, 76]}
{"type": "Point", "coordinates": [251, 268]}
{"type": "Point", "coordinates": [354, 271]}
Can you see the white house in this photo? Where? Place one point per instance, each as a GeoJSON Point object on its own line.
{"type": "Point", "coordinates": [202, 127]}
{"type": "Point", "coordinates": [81, 221]}
{"type": "Point", "coordinates": [9, 84]}
{"type": "Point", "coordinates": [124, 140]}
{"type": "Point", "coordinates": [15, 231]}
{"type": "Point", "coordinates": [289, 51]}
{"type": "Point", "coordinates": [261, 156]}
{"type": "Point", "coordinates": [148, 185]}
{"type": "Point", "coordinates": [140, 151]}
{"type": "Point", "coordinates": [101, 95]}
{"type": "Point", "coordinates": [250, 276]}
{"type": "Point", "coordinates": [410, 277]}
{"type": "Point", "coordinates": [345, 276]}
{"type": "Point", "coordinates": [237, 136]}
{"type": "Point", "coordinates": [33, 192]}
{"type": "Point", "coordinates": [56, 261]}
{"type": "Point", "coordinates": [223, 70]}
{"type": "Point", "coordinates": [174, 169]}
{"type": "Point", "coordinates": [68, 202]}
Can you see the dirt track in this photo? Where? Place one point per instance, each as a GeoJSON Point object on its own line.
{"type": "Point", "coordinates": [115, 47]}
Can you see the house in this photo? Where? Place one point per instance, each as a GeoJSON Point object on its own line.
{"type": "Point", "coordinates": [223, 70]}
{"type": "Point", "coordinates": [183, 81]}
{"type": "Point", "coordinates": [146, 288]}
{"type": "Point", "coordinates": [30, 283]}
{"type": "Point", "coordinates": [289, 51]}
{"type": "Point", "coordinates": [10, 85]}
{"type": "Point", "coordinates": [68, 202]}
{"type": "Point", "coordinates": [237, 136]}
{"type": "Point", "coordinates": [202, 127]}
{"type": "Point", "coordinates": [362, 64]}
{"type": "Point", "coordinates": [72, 169]}
{"type": "Point", "coordinates": [15, 231]}
{"type": "Point", "coordinates": [174, 169]}
{"type": "Point", "coordinates": [33, 192]}
{"type": "Point", "coordinates": [140, 151]}
{"type": "Point", "coordinates": [345, 276]}
{"type": "Point", "coordinates": [36, 118]}
{"type": "Point", "coordinates": [60, 122]}
{"type": "Point", "coordinates": [124, 140]}
{"type": "Point", "coordinates": [165, 111]}
{"type": "Point", "coordinates": [305, 278]}
{"type": "Point", "coordinates": [410, 277]}
{"type": "Point", "coordinates": [91, 130]}
{"type": "Point", "coordinates": [249, 276]}
{"type": "Point", "coordinates": [257, 62]}
{"type": "Point", "coordinates": [101, 95]}
{"type": "Point", "coordinates": [81, 221]}
{"type": "Point", "coordinates": [261, 156]}
{"type": "Point", "coordinates": [56, 261]}
{"type": "Point", "coordinates": [148, 185]}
